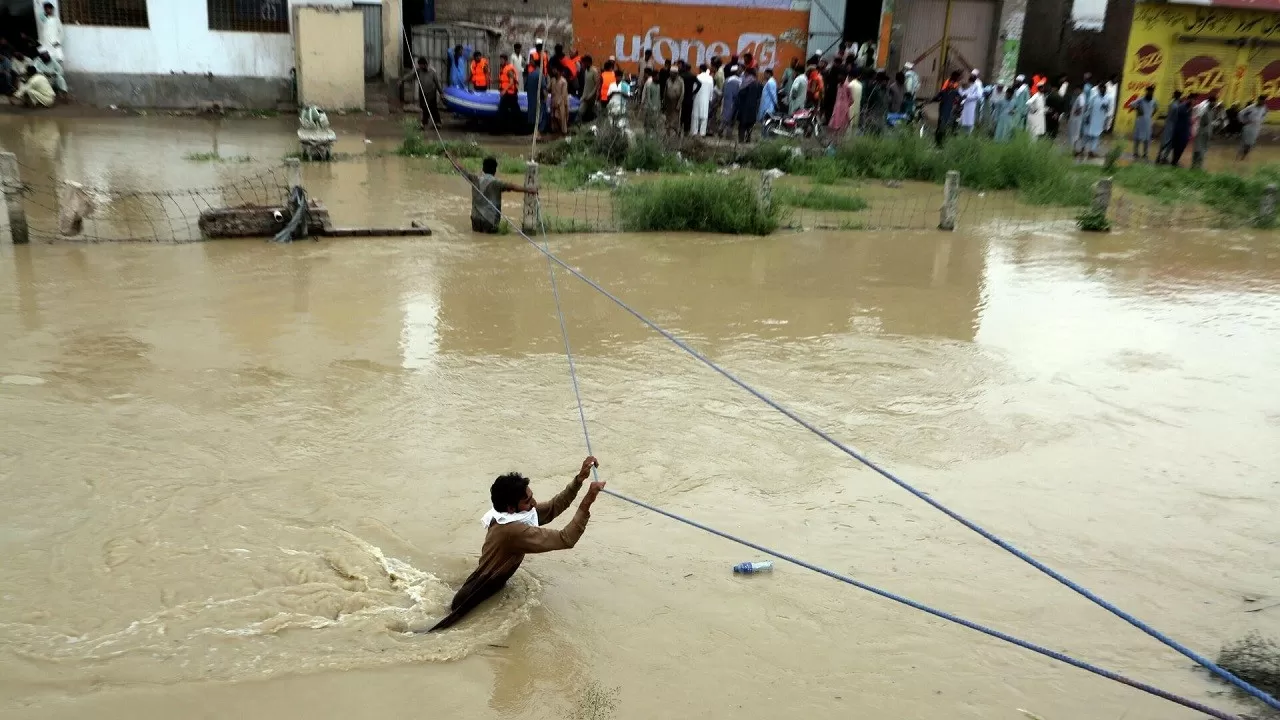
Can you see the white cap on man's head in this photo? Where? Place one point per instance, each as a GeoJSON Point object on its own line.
{"type": "Point", "coordinates": [908, 65]}
{"type": "Point", "coordinates": [537, 41]}
{"type": "Point", "coordinates": [1021, 78]}
{"type": "Point", "coordinates": [974, 72]}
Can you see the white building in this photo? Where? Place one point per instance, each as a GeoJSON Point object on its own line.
{"type": "Point", "coordinates": [235, 53]}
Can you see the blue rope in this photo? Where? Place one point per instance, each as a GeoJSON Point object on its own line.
{"type": "Point", "coordinates": [553, 260]}
{"type": "Point", "coordinates": [1047, 652]}
{"type": "Point", "coordinates": [1006, 545]}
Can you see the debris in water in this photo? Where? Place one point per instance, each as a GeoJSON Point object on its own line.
{"type": "Point", "coordinates": [596, 702]}
{"type": "Point", "coordinates": [1254, 659]}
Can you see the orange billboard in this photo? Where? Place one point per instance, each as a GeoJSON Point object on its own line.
{"type": "Point", "coordinates": [624, 29]}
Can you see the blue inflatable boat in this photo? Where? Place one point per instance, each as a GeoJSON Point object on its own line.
{"type": "Point", "coordinates": [484, 105]}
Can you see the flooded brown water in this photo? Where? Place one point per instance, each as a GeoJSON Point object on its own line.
{"type": "Point", "coordinates": [234, 475]}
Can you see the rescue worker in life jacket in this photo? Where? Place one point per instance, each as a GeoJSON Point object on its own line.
{"type": "Point", "coordinates": [479, 72]}
{"type": "Point", "coordinates": [509, 119]}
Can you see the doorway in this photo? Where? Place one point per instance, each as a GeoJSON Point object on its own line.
{"type": "Point", "coordinates": [18, 24]}
{"type": "Point", "coordinates": [861, 21]}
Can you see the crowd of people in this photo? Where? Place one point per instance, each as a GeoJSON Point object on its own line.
{"type": "Point", "coordinates": [724, 97]}
{"type": "Point", "coordinates": [1194, 124]}
{"type": "Point", "coordinates": [31, 70]}
{"type": "Point", "coordinates": [731, 97]}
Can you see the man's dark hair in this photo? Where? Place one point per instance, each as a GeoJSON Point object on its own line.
{"type": "Point", "coordinates": [518, 46]}
{"type": "Point", "coordinates": [648, 53]}
{"type": "Point", "coordinates": [586, 61]}
{"type": "Point", "coordinates": [490, 167]}
{"type": "Point", "coordinates": [48, 6]}
{"type": "Point", "coordinates": [508, 490]}
{"type": "Point", "coordinates": [703, 67]}
{"type": "Point", "coordinates": [422, 62]}
{"type": "Point", "coordinates": [768, 71]}
{"type": "Point", "coordinates": [1177, 94]}
{"type": "Point", "coordinates": [648, 72]}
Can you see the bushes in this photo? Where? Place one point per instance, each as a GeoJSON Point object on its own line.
{"type": "Point", "coordinates": [698, 204]}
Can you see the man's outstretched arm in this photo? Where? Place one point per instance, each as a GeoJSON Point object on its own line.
{"type": "Point", "coordinates": [548, 511]}
{"type": "Point", "coordinates": [529, 539]}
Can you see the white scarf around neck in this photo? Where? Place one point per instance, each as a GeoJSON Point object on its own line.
{"type": "Point", "coordinates": [529, 517]}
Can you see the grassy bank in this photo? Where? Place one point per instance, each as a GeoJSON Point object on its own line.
{"type": "Point", "coordinates": [1039, 172]}
{"type": "Point", "coordinates": [696, 204]}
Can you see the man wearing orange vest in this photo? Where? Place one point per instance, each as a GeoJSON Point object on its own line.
{"type": "Point", "coordinates": [509, 119]}
{"type": "Point", "coordinates": [607, 78]}
{"type": "Point", "coordinates": [537, 58]}
{"type": "Point", "coordinates": [479, 72]}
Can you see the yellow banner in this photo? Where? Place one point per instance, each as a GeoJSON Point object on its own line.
{"type": "Point", "coordinates": [1201, 50]}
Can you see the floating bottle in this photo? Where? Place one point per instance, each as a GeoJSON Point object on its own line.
{"type": "Point", "coordinates": [751, 568]}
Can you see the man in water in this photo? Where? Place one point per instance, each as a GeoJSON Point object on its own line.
{"type": "Point", "coordinates": [514, 527]}
{"type": "Point", "coordinates": [486, 195]}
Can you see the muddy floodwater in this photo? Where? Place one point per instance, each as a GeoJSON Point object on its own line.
{"type": "Point", "coordinates": [236, 476]}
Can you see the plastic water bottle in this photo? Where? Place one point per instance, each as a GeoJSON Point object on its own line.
{"type": "Point", "coordinates": [751, 568]}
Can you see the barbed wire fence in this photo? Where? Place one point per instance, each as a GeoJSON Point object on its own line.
{"type": "Point", "coordinates": [66, 210]}
{"type": "Point", "coordinates": [61, 210]}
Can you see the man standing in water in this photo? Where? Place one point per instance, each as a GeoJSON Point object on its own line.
{"type": "Point", "coordinates": [486, 195]}
{"type": "Point", "coordinates": [514, 527]}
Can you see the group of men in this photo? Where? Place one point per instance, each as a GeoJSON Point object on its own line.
{"type": "Point", "coordinates": [1033, 106]}
{"type": "Point", "coordinates": [30, 74]}
{"type": "Point", "coordinates": [1195, 124]}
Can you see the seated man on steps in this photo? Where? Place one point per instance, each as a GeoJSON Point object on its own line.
{"type": "Point", "coordinates": [486, 195]}
{"type": "Point", "coordinates": [513, 528]}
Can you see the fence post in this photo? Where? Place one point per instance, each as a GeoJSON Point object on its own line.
{"type": "Point", "coordinates": [530, 219]}
{"type": "Point", "coordinates": [1267, 208]}
{"type": "Point", "coordinates": [950, 201]}
{"type": "Point", "coordinates": [1101, 196]}
{"type": "Point", "coordinates": [764, 195]}
{"type": "Point", "coordinates": [295, 172]}
{"type": "Point", "coordinates": [11, 185]}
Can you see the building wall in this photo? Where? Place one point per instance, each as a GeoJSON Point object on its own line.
{"type": "Point", "coordinates": [330, 56]}
{"type": "Point", "coordinates": [178, 62]}
{"type": "Point", "coordinates": [1202, 50]}
{"type": "Point", "coordinates": [676, 30]}
{"type": "Point", "coordinates": [519, 22]}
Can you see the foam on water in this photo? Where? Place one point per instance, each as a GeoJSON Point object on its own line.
{"type": "Point", "coordinates": [343, 607]}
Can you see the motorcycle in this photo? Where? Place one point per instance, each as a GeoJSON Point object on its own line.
{"type": "Point", "coordinates": [802, 123]}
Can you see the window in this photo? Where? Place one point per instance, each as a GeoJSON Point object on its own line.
{"type": "Point", "coordinates": [112, 13]}
{"type": "Point", "coordinates": [264, 16]}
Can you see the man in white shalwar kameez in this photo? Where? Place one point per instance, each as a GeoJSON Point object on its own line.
{"type": "Point", "coordinates": [49, 31]}
{"type": "Point", "coordinates": [970, 100]}
{"type": "Point", "coordinates": [702, 101]}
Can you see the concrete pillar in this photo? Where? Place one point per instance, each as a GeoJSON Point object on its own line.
{"type": "Point", "coordinates": [1267, 208]}
{"type": "Point", "coordinates": [950, 202]}
{"type": "Point", "coordinates": [1101, 196]}
{"type": "Point", "coordinates": [393, 44]}
{"type": "Point", "coordinates": [764, 196]}
{"type": "Point", "coordinates": [11, 183]}
{"type": "Point", "coordinates": [530, 219]}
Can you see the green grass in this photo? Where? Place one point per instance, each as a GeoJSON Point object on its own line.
{"type": "Point", "coordinates": [215, 157]}
{"type": "Point", "coordinates": [817, 198]}
{"type": "Point", "coordinates": [563, 225]}
{"type": "Point", "coordinates": [415, 144]}
{"type": "Point", "coordinates": [696, 204]}
{"type": "Point", "coordinates": [1091, 220]}
{"type": "Point", "coordinates": [1236, 198]}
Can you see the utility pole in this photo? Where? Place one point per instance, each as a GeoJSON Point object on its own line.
{"type": "Point", "coordinates": [944, 47]}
